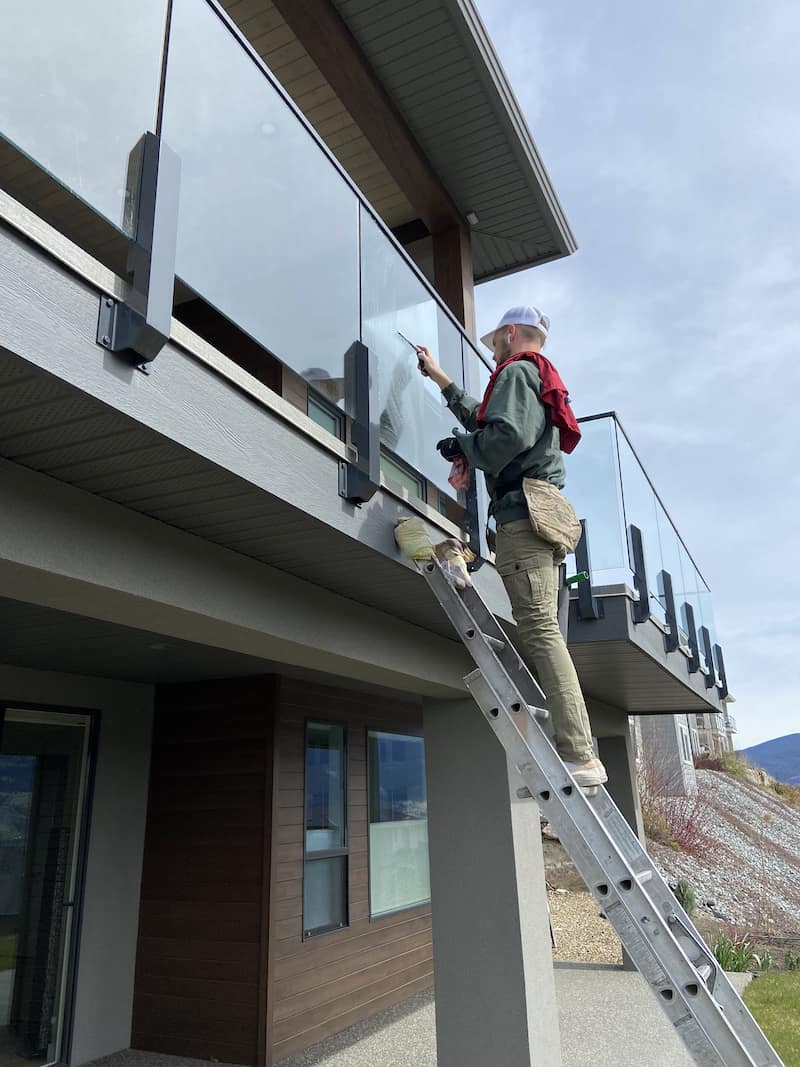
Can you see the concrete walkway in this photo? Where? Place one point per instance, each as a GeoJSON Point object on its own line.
{"type": "Point", "coordinates": [608, 1018]}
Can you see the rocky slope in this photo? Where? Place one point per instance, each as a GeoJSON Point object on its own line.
{"type": "Point", "coordinates": [748, 859]}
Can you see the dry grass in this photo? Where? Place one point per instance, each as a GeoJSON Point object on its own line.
{"type": "Point", "coordinates": [679, 822]}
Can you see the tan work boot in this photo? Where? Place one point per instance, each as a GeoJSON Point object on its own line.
{"type": "Point", "coordinates": [588, 774]}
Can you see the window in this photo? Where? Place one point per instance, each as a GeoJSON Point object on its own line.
{"type": "Point", "coordinates": [686, 747]}
{"type": "Point", "coordinates": [397, 473]}
{"type": "Point", "coordinates": [326, 415]}
{"type": "Point", "coordinates": [325, 866]}
{"type": "Point", "coordinates": [399, 876]}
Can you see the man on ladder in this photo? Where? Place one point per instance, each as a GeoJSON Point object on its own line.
{"type": "Point", "coordinates": [516, 435]}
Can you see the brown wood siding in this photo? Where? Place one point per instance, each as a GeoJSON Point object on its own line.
{"type": "Point", "coordinates": [325, 984]}
{"type": "Point", "coordinates": [200, 986]}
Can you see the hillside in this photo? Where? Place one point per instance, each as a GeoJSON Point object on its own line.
{"type": "Point", "coordinates": [747, 859]}
{"type": "Point", "coordinates": [779, 757]}
{"type": "Point", "coordinates": [744, 868]}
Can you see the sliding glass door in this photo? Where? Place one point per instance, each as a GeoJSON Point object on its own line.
{"type": "Point", "coordinates": [43, 767]}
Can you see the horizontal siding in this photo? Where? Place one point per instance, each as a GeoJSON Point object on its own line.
{"type": "Point", "coordinates": [323, 985]}
{"type": "Point", "coordinates": [200, 972]}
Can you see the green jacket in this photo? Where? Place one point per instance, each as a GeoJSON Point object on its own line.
{"type": "Point", "coordinates": [518, 440]}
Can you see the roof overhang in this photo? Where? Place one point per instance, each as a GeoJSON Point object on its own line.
{"type": "Point", "coordinates": [443, 74]}
{"type": "Point", "coordinates": [412, 99]}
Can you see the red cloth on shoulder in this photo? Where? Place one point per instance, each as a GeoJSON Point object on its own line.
{"type": "Point", "coordinates": [553, 394]}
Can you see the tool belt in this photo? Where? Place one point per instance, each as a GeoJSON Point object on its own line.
{"type": "Point", "coordinates": [552, 516]}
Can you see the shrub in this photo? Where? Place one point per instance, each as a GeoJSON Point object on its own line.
{"type": "Point", "coordinates": [676, 821]}
{"type": "Point", "coordinates": [733, 955]}
{"type": "Point", "coordinates": [656, 828]}
{"type": "Point", "coordinates": [685, 896]}
{"type": "Point", "coordinates": [763, 959]}
{"type": "Point", "coordinates": [730, 763]}
{"type": "Point", "coordinates": [789, 793]}
{"type": "Point", "coordinates": [791, 961]}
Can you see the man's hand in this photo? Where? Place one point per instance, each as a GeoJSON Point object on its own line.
{"type": "Point", "coordinates": [449, 448]}
{"type": "Point", "coordinates": [429, 368]}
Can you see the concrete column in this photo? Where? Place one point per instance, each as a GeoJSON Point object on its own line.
{"type": "Point", "coordinates": [617, 755]}
{"type": "Point", "coordinates": [620, 763]}
{"type": "Point", "coordinates": [495, 994]}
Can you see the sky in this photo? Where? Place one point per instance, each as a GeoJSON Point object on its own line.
{"type": "Point", "coordinates": [671, 133]}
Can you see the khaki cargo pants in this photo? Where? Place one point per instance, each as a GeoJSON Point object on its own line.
{"type": "Point", "coordinates": [529, 569]}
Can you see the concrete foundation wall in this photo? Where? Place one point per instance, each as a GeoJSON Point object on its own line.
{"type": "Point", "coordinates": [110, 914]}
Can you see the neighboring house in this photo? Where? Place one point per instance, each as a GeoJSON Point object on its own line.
{"type": "Point", "coordinates": [228, 704]}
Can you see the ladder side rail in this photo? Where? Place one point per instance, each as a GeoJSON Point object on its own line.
{"type": "Point", "coordinates": [514, 664]}
{"type": "Point", "coordinates": [468, 612]}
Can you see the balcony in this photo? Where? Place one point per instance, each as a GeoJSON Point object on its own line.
{"type": "Point", "coordinates": [270, 231]}
{"type": "Point", "coordinates": [634, 555]}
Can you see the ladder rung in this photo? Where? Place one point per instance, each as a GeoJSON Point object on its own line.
{"type": "Point", "coordinates": [494, 642]}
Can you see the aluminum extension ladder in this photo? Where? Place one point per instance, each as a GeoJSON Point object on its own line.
{"type": "Point", "coordinates": [702, 1005]}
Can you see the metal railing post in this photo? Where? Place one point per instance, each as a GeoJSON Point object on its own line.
{"type": "Point", "coordinates": [141, 324]}
{"type": "Point", "coordinates": [360, 478]}
{"type": "Point", "coordinates": [641, 609]}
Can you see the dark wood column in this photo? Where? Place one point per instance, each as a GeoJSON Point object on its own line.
{"type": "Point", "coordinates": [323, 33]}
{"type": "Point", "coordinates": [453, 274]}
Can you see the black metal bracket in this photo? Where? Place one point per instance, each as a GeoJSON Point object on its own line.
{"type": "Point", "coordinates": [641, 608]}
{"type": "Point", "coordinates": [361, 479]}
{"type": "Point", "coordinates": [691, 630]}
{"type": "Point", "coordinates": [589, 607]}
{"type": "Point", "coordinates": [141, 325]}
{"type": "Point", "coordinates": [475, 523]}
{"type": "Point", "coordinates": [705, 641]}
{"type": "Point", "coordinates": [723, 678]}
{"type": "Point", "coordinates": [672, 640]}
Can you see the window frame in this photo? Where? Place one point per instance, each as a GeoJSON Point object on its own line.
{"type": "Point", "coordinates": [309, 856]}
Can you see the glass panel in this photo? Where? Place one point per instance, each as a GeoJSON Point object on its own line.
{"type": "Point", "coordinates": [326, 809]}
{"type": "Point", "coordinates": [671, 561]}
{"type": "Point", "coordinates": [42, 780]}
{"type": "Point", "coordinates": [398, 823]}
{"type": "Point", "coordinates": [640, 510]}
{"type": "Point", "coordinates": [325, 894]}
{"type": "Point", "coordinates": [78, 88]}
{"type": "Point", "coordinates": [691, 596]}
{"type": "Point", "coordinates": [476, 378]}
{"type": "Point", "coordinates": [593, 489]}
{"type": "Point", "coordinates": [268, 228]}
{"type": "Point", "coordinates": [413, 415]}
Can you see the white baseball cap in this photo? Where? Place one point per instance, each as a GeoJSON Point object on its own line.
{"type": "Point", "coordinates": [519, 316]}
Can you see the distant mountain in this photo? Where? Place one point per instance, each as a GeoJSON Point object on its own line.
{"type": "Point", "coordinates": [779, 757]}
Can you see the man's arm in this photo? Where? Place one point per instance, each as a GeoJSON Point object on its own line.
{"type": "Point", "coordinates": [515, 419]}
{"type": "Point", "coordinates": [463, 406]}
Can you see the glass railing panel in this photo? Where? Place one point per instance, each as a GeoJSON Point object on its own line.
{"type": "Point", "coordinates": [691, 596]}
{"type": "Point", "coordinates": [78, 88]}
{"type": "Point", "coordinates": [671, 561]}
{"type": "Point", "coordinates": [394, 300]}
{"type": "Point", "coordinates": [707, 616]}
{"type": "Point", "coordinates": [477, 370]}
{"type": "Point", "coordinates": [593, 489]}
{"type": "Point", "coordinates": [639, 502]}
{"type": "Point", "coordinates": [268, 227]}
